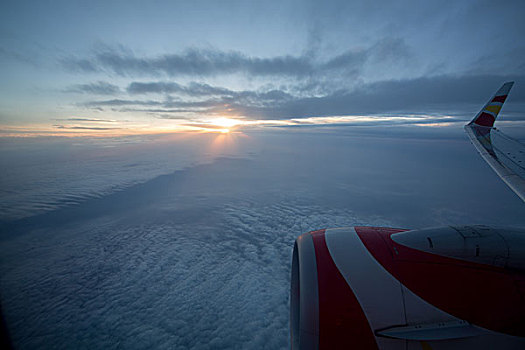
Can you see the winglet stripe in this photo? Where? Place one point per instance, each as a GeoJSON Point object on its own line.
{"type": "Point", "coordinates": [499, 98]}
{"type": "Point", "coordinates": [488, 114]}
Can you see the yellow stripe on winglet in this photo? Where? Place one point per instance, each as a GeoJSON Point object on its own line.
{"type": "Point", "coordinates": [494, 109]}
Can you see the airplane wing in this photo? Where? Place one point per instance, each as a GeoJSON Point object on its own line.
{"type": "Point", "coordinates": [504, 154]}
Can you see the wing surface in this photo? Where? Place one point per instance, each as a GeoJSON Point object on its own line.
{"type": "Point", "coordinates": [504, 154]}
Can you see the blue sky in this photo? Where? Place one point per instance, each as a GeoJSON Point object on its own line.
{"type": "Point", "coordinates": [69, 66]}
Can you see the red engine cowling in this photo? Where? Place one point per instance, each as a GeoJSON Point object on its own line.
{"type": "Point", "coordinates": [379, 288]}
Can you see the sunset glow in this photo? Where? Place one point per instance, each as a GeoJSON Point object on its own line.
{"type": "Point", "coordinates": [222, 125]}
{"type": "Point", "coordinates": [225, 122]}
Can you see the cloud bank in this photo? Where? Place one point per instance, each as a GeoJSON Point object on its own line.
{"type": "Point", "coordinates": [207, 62]}
{"type": "Point", "coordinates": [445, 95]}
{"type": "Point", "coordinates": [200, 258]}
{"type": "Point", "coordinates": [181, 85]}
{"type": "Point", "coordinates": [97, 88]}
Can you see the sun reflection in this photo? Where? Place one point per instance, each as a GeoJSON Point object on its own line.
{"type": "Point", "coordinates": [225, 142]}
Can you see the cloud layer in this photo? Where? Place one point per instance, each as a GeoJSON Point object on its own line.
{"type": "Point", "coordinates": [445, 95]}
{"type": "Point", "coordinates": [208, 62]}
{"type": "Point", "coordinates": [97, 88]}
{"type": "Point", "coordinates": [200, 258]}
{"type": "Point", "coordinates": [181, 85]}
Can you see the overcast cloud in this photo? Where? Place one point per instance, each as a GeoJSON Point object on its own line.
{"type": "Point", "coordinates": [446, 95]}
{"type": "Point", "coordinates": [105, 253]}
{"type": "Point", "coordinates": [202, 63]}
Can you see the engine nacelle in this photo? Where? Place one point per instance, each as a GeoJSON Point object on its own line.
{"type": "Point", "coordinates": [385, 288]}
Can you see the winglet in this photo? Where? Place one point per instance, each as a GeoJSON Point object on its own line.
{"type": "Point", "coordinates": [488, 114]}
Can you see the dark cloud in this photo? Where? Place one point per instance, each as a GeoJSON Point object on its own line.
{"type": "Point", "coordinates": [120, 102]}
{"type": "Point", "coordinates": [193, 89]}
{"type": "Point", "coordinates": [86, 120]}
{"type": "Point", "coordinates": [207, 62]}
{"type": "Point", "coordinates": [389, 120]}
{"type": "Point", "coordinates": [198, 97]}
{"type": "Point", "coordinates": [444, 94]}
{"type": "Point", "coordinates": [167, 112]}
{"type": "Point", "coordinates": [191, 62]}
{"type": "Point", "coordinates": [213, 93]}
{"type": "Point", "coordinates": [458, 96]}
{"type": "Point", "coordinates": [311, 87]}
{"type": "Point", "coordinates": [98, 88]}
{"type": "Point", "coordinates": [83, 127]}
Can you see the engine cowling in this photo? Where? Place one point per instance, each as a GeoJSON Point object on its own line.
{"type": "Point", "coordinates": [370, 288]}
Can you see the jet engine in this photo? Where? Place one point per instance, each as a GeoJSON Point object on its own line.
{"type": "Point", "coordinates": [386, 288]}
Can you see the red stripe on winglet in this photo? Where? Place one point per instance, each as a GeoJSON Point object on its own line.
{"type": "Point", "coordinates": [485, 119]}
{"type": "Point", "coordinates": [499, 98]}
{"type": "Point", "coordinates": [342, 322]}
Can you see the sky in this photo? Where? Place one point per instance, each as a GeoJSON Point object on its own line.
{"type": "Point", "coordinates": [128, 67]}
{"type": "Point", "coordinates": [159, 158]}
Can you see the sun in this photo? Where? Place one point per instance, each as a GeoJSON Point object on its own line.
{"type": "Point", "coordinates": [225, 131]}
{"type": "Point", "coordinates": [225, 123]}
